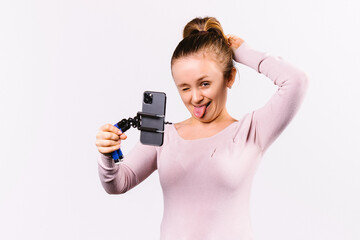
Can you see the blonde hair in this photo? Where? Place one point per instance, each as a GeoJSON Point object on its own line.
{"type": "Point", "coordinates": [207, 35]}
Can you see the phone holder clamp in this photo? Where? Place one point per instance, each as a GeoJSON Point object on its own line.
{"type": "Point", "coordinates": [126, 124]}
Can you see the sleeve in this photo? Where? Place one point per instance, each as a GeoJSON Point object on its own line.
{"type": "Point", "coordinates": [137, 165]}
{"type": "Point", "coordinates": [268, 122]}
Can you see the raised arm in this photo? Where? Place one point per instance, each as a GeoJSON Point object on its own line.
{"type": "Point", "coordinates": [137, 165]}
{"type": "Point", "coordinates": [269, 121]}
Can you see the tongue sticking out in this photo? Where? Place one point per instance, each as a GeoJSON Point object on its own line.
{"type": "Point", "coordinates": [199, 111]}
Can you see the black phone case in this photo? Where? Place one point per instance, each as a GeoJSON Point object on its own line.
{"type": "Point", "coordinates": [157, 106]}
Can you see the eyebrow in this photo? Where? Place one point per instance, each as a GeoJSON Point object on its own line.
{"type": "Point", "coordinates": [185, 84]}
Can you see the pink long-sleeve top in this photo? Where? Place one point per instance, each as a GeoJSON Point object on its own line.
{"type": "Point", "coordinates": [207, 182]}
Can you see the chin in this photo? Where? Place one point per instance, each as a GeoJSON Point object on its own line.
{"type": "Point", "coordinates": [204, 119]}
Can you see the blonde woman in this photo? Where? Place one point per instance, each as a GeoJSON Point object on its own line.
{"type": "Point", "coordinates": [207, 162]}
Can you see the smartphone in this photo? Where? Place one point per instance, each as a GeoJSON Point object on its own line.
{"type": "Point", "coordinates": [154, 103]}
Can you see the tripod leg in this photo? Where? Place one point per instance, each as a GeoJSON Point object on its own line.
{"type": "Point", "coordinates": [117, 155]}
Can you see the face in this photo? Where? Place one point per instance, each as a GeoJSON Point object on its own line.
{"type": "Point", "coordinates": [201, 85]}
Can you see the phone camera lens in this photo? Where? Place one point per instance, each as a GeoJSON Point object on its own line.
{"type": "Point", "coordinates": [148, 98]}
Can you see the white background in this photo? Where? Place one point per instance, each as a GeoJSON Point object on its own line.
{"type": "Point", "coordinates": [68, 67]}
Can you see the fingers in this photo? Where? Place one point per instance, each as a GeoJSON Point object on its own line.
{"type": "Point", "coordinates": [230, 38]}
{"type": "Point", "coordinates": [110, 128]}
{"type": "Point", "coordinates": [114, 131]}
{"type": "Point", "coordinates": [234, 41]}
{"type": "Point", "coordinates": [108, 139]}
{"type": "Point", "coordinates": [107, 146]}
{"type": "Point", "coordinates": [107, 143]}
{"type": "Point", "coordinates": [108, 136]}
{"type": "Point", "coordinates": [108, 149]}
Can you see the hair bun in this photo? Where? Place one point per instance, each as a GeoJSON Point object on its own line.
{"type": "Point", "coordinates": [202, 26]}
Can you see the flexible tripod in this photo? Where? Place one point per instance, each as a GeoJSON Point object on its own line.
{"type": "Point", "coordinates": [135, 122]}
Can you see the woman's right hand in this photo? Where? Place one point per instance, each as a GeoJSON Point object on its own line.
{"type": "Point", "coordinates": [108, 139]}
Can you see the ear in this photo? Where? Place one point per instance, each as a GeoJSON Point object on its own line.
{"type": "Point", "coordinates": [231, 79]}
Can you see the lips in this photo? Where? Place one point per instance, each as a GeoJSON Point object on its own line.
{"type": "Point", "coordinates": [203, 105]}
{"type": "Point", "coordinates": [199, 111]}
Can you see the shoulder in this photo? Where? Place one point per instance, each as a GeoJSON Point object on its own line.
{"type": "Point", "coordinates": [181, 124]}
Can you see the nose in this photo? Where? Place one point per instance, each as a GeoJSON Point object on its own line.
{"type": "Point", "coordinates": [197, 96]}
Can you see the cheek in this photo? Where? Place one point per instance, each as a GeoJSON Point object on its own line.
{"type": "Point", "coordinates": [216, 93]}
{"type": "Point", "coordinates": [184, 97]}
{"type": "Point", "coordinates": [219, 96]}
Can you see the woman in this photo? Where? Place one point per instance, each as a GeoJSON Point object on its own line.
{"type": "Point", "coordinates": [207, 162]}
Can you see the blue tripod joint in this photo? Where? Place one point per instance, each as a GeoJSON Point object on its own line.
{"type": "Point", "coordinates": [117, 155]}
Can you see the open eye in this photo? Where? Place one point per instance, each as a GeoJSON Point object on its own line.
{"type": "Point", "coordinates": [184, 89]}
{"type": "Point", "coordinates": [205, 84]}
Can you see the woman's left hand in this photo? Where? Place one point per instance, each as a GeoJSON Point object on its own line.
{"type": "Point", "coordinates": [234, 42]}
